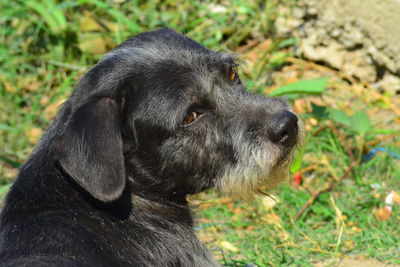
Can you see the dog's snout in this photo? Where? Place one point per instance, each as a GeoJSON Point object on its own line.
{"type": "Point", "coordinates": [283, 128]}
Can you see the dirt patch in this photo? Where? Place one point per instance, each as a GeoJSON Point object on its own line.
{"type": "Point", "coordinates": [360, 38]}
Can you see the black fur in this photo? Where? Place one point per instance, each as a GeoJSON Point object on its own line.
{"type": "Point", "coordinates": [107, 184]}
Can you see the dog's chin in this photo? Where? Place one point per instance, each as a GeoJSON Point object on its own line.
{"type": "Point", "coordinates": [258, 172]}
{"type": "Point", "coordinates": [248, 179]}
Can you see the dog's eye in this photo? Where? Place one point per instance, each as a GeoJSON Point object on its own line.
{"type": "Point", "coordinates": [232, 75]}
{"type": "Point", "coordinates": [190, 118]}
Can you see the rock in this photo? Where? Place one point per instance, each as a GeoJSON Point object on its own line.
{"type": "Point", "coordinates": [359, 38]}
{"type": "Point", "coordinates": [389, 83]}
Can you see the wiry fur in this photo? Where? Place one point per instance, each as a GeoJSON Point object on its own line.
{"type": "Point", "coordinates": [107, 184]}
{"type": "Point", "coordinates": [260, 165]}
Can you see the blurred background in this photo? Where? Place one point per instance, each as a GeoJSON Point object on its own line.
{"type": "Point", "coordinates": [337, 61]}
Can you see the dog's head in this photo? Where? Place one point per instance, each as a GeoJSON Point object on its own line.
{"type": "Point", "coordinates": [166, 116]}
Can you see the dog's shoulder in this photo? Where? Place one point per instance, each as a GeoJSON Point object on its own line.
{"type": "Point", "coordinates": [48, 222]}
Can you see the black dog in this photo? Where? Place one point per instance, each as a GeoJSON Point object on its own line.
{"type": "Point", "coordinates": [158, 118]}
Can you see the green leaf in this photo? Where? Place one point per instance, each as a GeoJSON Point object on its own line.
{"type": "Point", "coordinates": [316, 86]}
{"type": "Point", "coordinates": [5, 127]}
{"type": "Point", "coordinates": [278, 58]}
{"type": "Point", "coordinates": [10, 162]}
{"type": "Point", "coordinates": [339, 116]}
{"type": "Point", "coordinates": [298, 160]}
{"type": "Point", "coordinates": [360, 122]}
{"type": "Point", "coordinates": [320, 112]}
{"type": "Point", "coordinates": [321, 210]}
{"type": "Point", "coordinates": [382, 131]}
{"type": "Point", "coordinates": [286, 43]}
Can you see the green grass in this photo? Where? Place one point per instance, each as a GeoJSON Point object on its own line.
{"type": "Point", "coordinates": [46, 46]}
{"type": "Point", "coordinates": [339, 223]}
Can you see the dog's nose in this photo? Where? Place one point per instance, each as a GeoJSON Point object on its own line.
{"type": "Point", "coordinates": [282, 129]}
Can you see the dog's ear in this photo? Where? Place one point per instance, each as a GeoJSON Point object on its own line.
{"type": "Point", "coordinates": [90, 148]}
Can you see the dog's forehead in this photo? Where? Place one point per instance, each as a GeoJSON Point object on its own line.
{"type": "Point", "coordinates": [167, 47]}
{"type": "Point", "coordinates": [155, 61]}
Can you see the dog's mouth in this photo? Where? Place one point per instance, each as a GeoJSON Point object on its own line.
{"type": "Point", "coordinates": [285, 160]}
{"type": "Point", "coordinates": [287, 155]}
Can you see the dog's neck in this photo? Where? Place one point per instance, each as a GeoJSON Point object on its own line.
{"type": "Point", "coordinates": [150, 193]}
{"type": "Point", "coordinates": [145, 200]}
{"type": "Point", "coordinates": [166, 209]}
{"type": "Point", "coordinates": [136, 199]}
